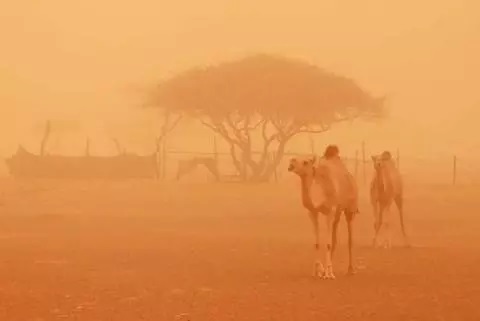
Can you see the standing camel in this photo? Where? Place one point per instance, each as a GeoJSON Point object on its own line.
{"type": "Point", "coordinates": [386, 187]}
{"type": "Point", "coordinates": [327, 188]}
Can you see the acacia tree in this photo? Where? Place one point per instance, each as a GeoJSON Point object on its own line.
{"type": "Point", "coordinates": [168, 123]}
{"type": "Point", "coordinates": [262, 102]}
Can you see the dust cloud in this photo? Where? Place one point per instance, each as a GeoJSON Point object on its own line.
{"type": "Point", "coordinates": [89, 61]}
{"type": "Point", "coordinates": [194, 250]}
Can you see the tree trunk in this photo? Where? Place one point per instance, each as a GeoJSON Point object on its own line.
{"type": "Point", "coordinates": [240, 164]}
{"type": "Point", "coordinates": [277, 159]}
{"type": "Point", "coordinates": [257, 171]}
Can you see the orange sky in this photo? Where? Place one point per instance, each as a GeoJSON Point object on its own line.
{"type": "Point", "coordinates": [80, 60]}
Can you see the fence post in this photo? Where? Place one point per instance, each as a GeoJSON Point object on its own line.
{"type": "Point", "coordinates": [215, 158]}
{"type": "Point", "coordinates": [215, 150]}
{"type": "Point", "coordinates": [164, 158]}
{"type": "Point", "coordinates": [312, 143]}
{"type": "Point", "coordinates": [356, 165]}
{"type": "Point", "coordinates": [46, 136]}
{"type": "Point", "coordinates": [364, 162]}
{"type": "Point", "coordinates": [275, 174]}
{"type": "Point", "coordinates": [454, 169]}
{"type": "Point", "coordinates": [87, 147]}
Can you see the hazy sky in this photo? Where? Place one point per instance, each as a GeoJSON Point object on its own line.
{"type": "Point", "coordinates": [84, 59]}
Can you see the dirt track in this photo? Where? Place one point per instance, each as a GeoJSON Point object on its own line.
{"type": "Point", "coordinates": [144, 251]}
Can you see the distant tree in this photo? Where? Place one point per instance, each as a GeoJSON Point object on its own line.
{"type": "Point", "coordinates": [169, 121]}
{"type": "Point", "coordinates": [268, 98]}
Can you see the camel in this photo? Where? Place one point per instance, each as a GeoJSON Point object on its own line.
{"type": "Point", "coordinates": [188, 165]}
{"type": "Point", "coordinates": [386, 187]}
{"type": "Point", "coordinates": [327, 190]}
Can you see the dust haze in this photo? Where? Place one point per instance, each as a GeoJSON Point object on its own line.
{"type": "Point", "coordinates": [196, 249]}
{"type": "Point", "coordinates": [85, 61]}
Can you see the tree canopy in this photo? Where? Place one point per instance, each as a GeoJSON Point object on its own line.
{"type": "Point", "coordinates": [270, 85]}
{"type": "Point", "coordinates": [275, 96]}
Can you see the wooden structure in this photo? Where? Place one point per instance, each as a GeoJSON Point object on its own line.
{"type": "Point", "coordinates": [28, 165]}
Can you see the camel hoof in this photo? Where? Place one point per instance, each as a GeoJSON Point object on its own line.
{"type": "Point", "coordinates": [319, 275]}
{"type": "Point", "coordinates": [351, 271]}
{"type": "Point", "coordinates": [329, 276]}
{"type": "Point", "coordinates": [318, 270]}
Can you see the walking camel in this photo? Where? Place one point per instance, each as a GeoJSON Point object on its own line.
{"type": "Point", "coordinates": [386, 187]}
{"type": "Point", "coordinates": [327, 190]}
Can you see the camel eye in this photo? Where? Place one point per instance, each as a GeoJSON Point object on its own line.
{"type": "Point", "coordinates": [305, 162]}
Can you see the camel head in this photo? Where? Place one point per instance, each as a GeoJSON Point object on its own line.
{"type": "Point", "coordinates": [377, 162]}
{"type": "Point", "coordinates": [302, 167]}
{"type": "Point", "coordinates": [380, 160]}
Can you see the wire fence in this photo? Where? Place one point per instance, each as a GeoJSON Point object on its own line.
{"type": "Point", "coordinates": [449, 169]}
{"type": "Point", "coordinates": [439, 170]}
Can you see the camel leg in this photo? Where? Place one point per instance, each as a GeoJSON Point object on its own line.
{"type": "Point", "coordinates": [329, 218]}
{"type": "Point", "coordinates": [318, 269]}
{"type": "Point", "coordinates": [378, 210]}
{"type": "Point", "coordinates": [349, 216]}
{"type": "Point", "coordinates": [387, 229]}
{"type": "Point", "coordinates": [399, 203]}
{"type": "Point", "coordinates": [336, 220]}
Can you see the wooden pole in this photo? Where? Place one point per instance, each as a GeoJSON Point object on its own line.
{"type": "Point", "coordinates": [118, 146]}
{"type": "Point", "coordinates": [215, 157]}
{"type": "Point", "coordinates": [244, 166]}
{"type": "Point", "coordinates": [356, 165]}
{"type": "Point", "coordinates": [46, 136]}
{"type": "Point", "coordinates": [312, 144]}
{"type": "Point", "coordinates": [364, 162]}
{"type": "Point", "coordinates": [215, 151]}
{"type": "Point", "coordinates": [454, 169]}
{"type": "Point", "coordinates": [164, 158]}
{"type": "Point", "coordinates": [275, 174]}
{"type": "Point", "coordinates": [157, 159]}
{"type": "Point", "coordinates": [87, 147]}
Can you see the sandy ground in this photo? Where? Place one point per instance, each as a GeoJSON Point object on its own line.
{"type": "Point", "coordinates": [149, 251]}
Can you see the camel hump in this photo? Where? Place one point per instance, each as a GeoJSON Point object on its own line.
{"type": "Point", "coordinates": [386, 155]}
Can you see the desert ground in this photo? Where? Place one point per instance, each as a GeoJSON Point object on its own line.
{"type": "Point", "coordinates": [143, 250]}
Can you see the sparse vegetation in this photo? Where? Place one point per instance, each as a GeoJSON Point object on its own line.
{"type": "Point", "coordinates": [261, 102]}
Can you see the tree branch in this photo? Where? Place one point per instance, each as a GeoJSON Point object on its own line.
{"type": "Point", "coordinates": [220, 129]}
{"type": "Point", "coordinates": [233, 126]}
{"type": "Point", "coordinates": [267, 141]}
{"type": "Point", "coordinates": [215, 129]}
{"type": "Point", "coordinates": [254, 127]}
{"type": "Point", "coordinates": [175, 123]}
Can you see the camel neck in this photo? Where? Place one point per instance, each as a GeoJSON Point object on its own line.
{"type": "Point", "coordinates": [306, 184]}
